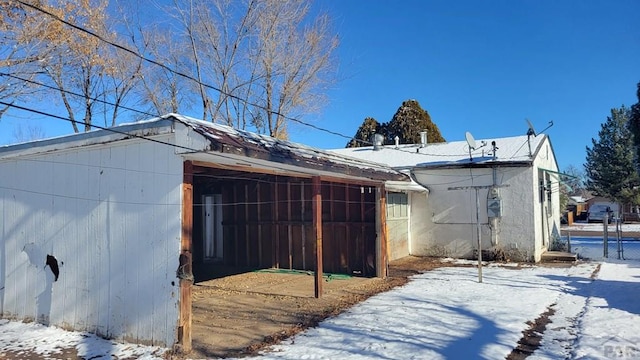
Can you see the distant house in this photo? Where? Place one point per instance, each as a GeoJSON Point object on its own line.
{"type": "Point", "coordinates": [577, 206]}
{"type": "Point", "coordinates": [511, 189]}
{"type": "Point", "coordinates": [105, 231]}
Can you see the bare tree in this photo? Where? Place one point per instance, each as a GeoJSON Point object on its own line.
{"type": "Point", "coordinates": [234, 73]}
{"type": "Point", "coordinates": [79, 61]}
{"type": "Point", "coordinates": [124, 74]}
{"type": "Point", "coordinates": [161, 89]}
{"type": "Point", "coordinates": [19, 56]}
{"type": "Point", "coordinates": [293, 60]}
{"type": "Point", "coordinates": [190, 21]}
{"type": "Point", "coordinates": [256, 62]}
{"type": "Point", "coordinates": [214, 35]}
{"type": "Point", "coordinates": [24, 133]}
{"type": "Point", "coordinates": [80, 68]}
{"type": "Point", "coordinates": [247, 63]}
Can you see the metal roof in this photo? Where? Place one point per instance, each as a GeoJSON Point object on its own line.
{"type": "Point", "coordinates": [222, 142]}
{"type": "Point", "coordinates": [512, 151]}
{"type": "Point", "coordinates": [227, 140]}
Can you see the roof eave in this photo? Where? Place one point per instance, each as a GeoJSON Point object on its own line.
{"type": "Point", "coordinates": [314, 161]}
{"type": "Point", "coordinates": [486, 164]}
{"type": "Point", "coordinates": [310, 163]}
{"type": "Point", "coordinates": [138, 130]}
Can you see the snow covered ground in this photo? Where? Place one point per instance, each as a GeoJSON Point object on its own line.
{"type": "Point", "coordinates": [441, 314]}
{"type": "Point", "coordinates": [18, 338]}
{"type": "Point", "coordinates": [598, 227]}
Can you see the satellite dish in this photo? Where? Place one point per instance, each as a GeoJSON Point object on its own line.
{"type": "Point", "coordinates": [531, 130]}
{"type": "Point", "coordinates": [470, 140]}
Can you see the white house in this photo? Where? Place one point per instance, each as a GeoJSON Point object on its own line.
{"type": "Point", "coordinates": [512, 192]}
{"type": "Point", "coordinates": [105, 231]}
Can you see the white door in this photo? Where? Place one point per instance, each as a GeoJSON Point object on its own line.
{"type": "Point", "coordinates": [212, 223]}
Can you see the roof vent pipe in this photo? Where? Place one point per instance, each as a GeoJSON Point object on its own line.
{"type": "Point", "coordinates": [397, 139]}
{"type": "Point", "coordinates": [423, 138]}
{"type": "Point", "coordinates": [377, 140]}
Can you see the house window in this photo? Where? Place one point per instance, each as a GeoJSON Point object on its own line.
{"type": "Point", "coordinates": [545, 186]}
{"type": "Point", "coordinates": [549, 187]}
{"type": "Point", "coordinates": [397, 206]}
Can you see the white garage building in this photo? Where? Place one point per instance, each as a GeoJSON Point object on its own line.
{"type": "Point", "coordinates": [105, 231]}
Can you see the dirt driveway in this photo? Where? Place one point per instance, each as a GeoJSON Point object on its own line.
{"type": "Point", "coordinates": [241, 314]}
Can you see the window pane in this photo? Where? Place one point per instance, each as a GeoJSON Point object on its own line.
{"type": "Point", "coordinates": [397, 205]}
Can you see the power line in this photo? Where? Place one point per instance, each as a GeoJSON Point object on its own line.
{"type": "Point", "coordinates": [96, 126]}
{"type": "Point", "coordinates": [156, 115]}
{"type": "Point", "coordinates": [229, 204]}
{"type": "Point", "coordinates": [76, 94]}
{"type": "Point", "coordinates": [142, 57]}
{"type": "Point", "coordinates": [181, 74]}
{"type": "Point", "coordinates": [222, 155]}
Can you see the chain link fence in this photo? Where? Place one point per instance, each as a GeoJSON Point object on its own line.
{"type": "Point", "coordinates": [608, 245]}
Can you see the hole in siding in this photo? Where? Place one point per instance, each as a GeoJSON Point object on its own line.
{"type": "Point", "coordinates": [53, 265]}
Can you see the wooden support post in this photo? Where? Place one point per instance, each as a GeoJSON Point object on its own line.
{"type": "Point", "coordinates": [289, 230]}
{"type": "Point", "coordinates": [304, 235]}
{"type": "Point", "coordinates": [383, 236]}
{"type": "Point", "coordinates": [185, 272]}
{"type": "Point", "coordinates": [247, 245]}
{"type": "Point", "coordinates": [236, 241]}
{"type": "Point", "coordinates": [363, 233]}
{"type": "Point", "coordinates": [258, 198]}
{"type": "Point", "coordinates": [276, 238]}
{"type": "Point", "coordinates": [317, 227]}
{"type": "Point", "coordinates": [347, 228]}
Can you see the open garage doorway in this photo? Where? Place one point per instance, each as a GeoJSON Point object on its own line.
{"type": "Point", "coordinates": [244, 221]}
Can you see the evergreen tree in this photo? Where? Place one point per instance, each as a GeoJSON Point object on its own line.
{"type": "Point", "coordinates": [363, 136]}
{"type": "Point", "coordinates": [610, 166]}
{"type": "Point", "coordinates": [409, 121]}
{"type": "Point", "coordinates": [634, 126]}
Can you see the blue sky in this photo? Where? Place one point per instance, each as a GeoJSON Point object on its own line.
{"type": "Point", "coordinates": [478, 66]}
{"type": "Point", "coordinates": [485, 66]}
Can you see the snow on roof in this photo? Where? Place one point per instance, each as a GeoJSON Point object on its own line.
{"type": "Point", "coordinates": [578, 199]}
{"type": "Point", "coordinates": [147, 128]}
{"type": "Point", "coordinates": [227, 139]}
{"type": "Point", "coordinates": [221, 139]}
{"type": "Point", "coordinates": [510, 150]}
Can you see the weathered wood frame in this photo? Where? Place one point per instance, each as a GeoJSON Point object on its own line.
{"type": "Point", "coordinates": [352, 218]}
{"type": "Point", "coordinates": [185, 272]}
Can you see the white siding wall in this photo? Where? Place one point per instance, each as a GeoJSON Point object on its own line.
{"type": "Point", "coordinates": [418, 223]}
{"type": "Point", "coordinates": [517, 228]}
{"type": "Point", "coordinates": [450, 222]}
{"type": "Point", "coordinates": [110, 214]}
{"type": "Point", "coordinates": [547, 215]}
{"type": "Point", "coordinates": [407, 233]}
